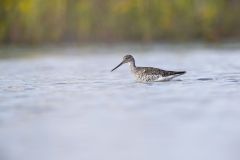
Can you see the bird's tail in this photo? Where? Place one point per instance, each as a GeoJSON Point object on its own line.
{"type": "Point", "coordinates": [180, 72]}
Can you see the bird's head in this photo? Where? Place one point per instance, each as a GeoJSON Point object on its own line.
{"type": "Point", "coordinates": [126, 59]}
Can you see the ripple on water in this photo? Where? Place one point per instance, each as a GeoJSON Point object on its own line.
{"type": "Point", "coordinates": [14, 88]}
{"type": "Point", "coordinates": [60, 83]}
{"type": "Point", "coordinates": [233, 80]}
{"type": "Point", "coordinates": [205, 79]}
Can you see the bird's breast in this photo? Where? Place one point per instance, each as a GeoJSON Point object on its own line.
{"type": "Point", "coordinates": [147, 77]}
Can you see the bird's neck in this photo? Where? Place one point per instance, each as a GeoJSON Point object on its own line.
{"type": "Point", "coordinates": [132, 65]}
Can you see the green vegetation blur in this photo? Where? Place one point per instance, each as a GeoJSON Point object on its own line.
{"type": "Point", "coordinates": [54, 21]}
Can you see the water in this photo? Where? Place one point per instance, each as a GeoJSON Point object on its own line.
{"type": "Point", "coordinates": [70, 106]}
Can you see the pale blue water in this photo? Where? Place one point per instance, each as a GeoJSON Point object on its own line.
{"type": "Point", "coordinates": [70, 106]}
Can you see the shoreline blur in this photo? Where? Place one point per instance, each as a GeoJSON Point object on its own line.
{"type": "Point", "coordinates": [42, 21]}
{"type": "Point", "coordinates": [25, 51]}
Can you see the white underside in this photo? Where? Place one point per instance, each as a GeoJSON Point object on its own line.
{"type": "Point", "coordinates": [160, 79]}
{"type": "Point", "coordinates": [156, 78]}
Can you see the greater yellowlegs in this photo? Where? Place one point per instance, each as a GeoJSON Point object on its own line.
{"type": "Point", "coordinates": [148, 74]}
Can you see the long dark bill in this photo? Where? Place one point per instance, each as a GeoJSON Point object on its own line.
{"type": "Point", "coordinates": [117, 66]}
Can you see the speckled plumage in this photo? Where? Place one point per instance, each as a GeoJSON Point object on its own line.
{"type": "Point", "coordinates": [148, 74]}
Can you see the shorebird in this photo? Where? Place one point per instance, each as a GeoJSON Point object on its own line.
{"type": "Point", "coordinates": [148, 74]}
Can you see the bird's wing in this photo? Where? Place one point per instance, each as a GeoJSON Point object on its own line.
{"type": "Point", "coordinates": [157, 71]}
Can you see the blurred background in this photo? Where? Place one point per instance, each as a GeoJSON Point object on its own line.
{"type": "Point", "coordinates": [43, 21]}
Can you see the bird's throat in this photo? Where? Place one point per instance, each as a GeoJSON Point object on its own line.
{"type": "Point", "coordinates": [132, 66]}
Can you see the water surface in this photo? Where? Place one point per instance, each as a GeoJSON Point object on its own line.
{"type": "Point", "coordinates": [70, 106]}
